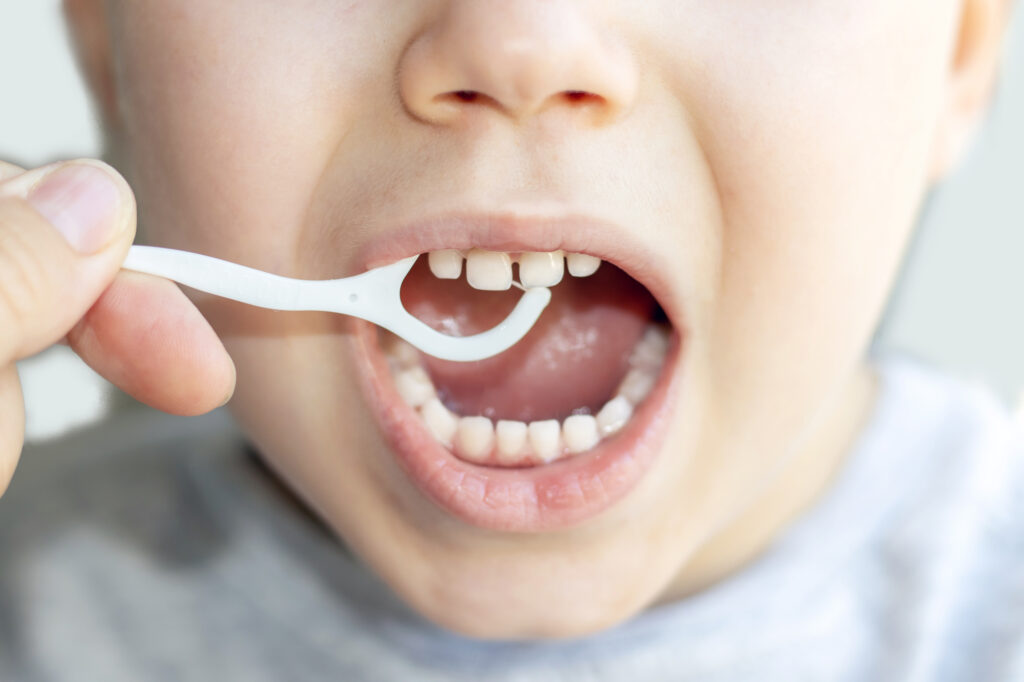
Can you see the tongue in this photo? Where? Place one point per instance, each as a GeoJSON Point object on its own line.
{"type": "Point", "coordinates": [571, 361]}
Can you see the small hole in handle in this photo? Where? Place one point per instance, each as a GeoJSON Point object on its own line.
{"type": "Point", "coordinates": [353, 298]}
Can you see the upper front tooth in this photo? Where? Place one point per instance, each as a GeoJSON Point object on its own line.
{"type": "Point", "coordinates": [582, 265]}
{"type": "Point", "coordinates": [489, 270]}
{"type": "Point", "coordinates": [446, 264]}
{"type": "Point", "coordinates": [541, 269]}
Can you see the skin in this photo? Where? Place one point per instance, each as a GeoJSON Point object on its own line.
{"type": "Point", "coordinates": [778, 153]}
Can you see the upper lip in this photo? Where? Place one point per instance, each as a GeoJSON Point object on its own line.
{"type": "Point", "coordinates": [515, 232]}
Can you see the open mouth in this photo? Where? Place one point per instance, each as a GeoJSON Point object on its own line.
{"type": "Point", "coordinates": [564, 424]}
{"type": "Point", "coordinates": [575, 380]}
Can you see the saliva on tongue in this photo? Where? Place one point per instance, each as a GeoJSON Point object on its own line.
{"type": "Point", "coordinates": [571, 362]}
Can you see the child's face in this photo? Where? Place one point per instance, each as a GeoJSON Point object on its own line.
{"type": "Point", "coordinates": [756, 165]}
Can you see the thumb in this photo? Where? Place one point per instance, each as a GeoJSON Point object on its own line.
{"type": "Point", "coordinates": [64, 231]}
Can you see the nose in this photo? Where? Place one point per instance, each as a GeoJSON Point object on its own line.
{"type": "Point", "coordinates": [519, 58]}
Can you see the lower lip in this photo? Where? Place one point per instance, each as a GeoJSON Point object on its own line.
{"type": "Point", "coordinates": [530, 499]}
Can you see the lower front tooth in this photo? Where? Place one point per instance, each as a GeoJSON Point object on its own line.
{"type": "Point", "coordinates": [546, 439]}
{"type": "Point", "coordinates": [614, 415]}
{"type": "Point", "coordinates": [440, 421]}
{"type": "Point", "coordinates": [511, 441]}
{"type": "Point", "coordinates": [475, 438]}
{"type": "Point", "coordinates": [414, 385]}
{"type": "Point", "coordinates": [638, 383]}
{"type": "Point", "coordinates": [489, 270]}
{"type": "Point", "coordinates": [582, 265]}
{"type": "Point", "coordinates": [580, 433]}
{"type": "Point", "coordinates": [402, 354]}
{"type": "Point", "coordinates": [651, 350]}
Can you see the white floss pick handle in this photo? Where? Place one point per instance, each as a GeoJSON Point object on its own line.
{"type": "Point", "coordinates": [373, 296]}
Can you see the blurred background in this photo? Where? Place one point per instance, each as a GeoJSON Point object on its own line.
{"type": "Point", "coordinates": [958, 303]}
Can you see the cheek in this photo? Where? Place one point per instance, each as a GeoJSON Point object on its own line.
{"type": "Point", "coordinates": [230, 148]}
{"type": "Point", "coordinates": [298, 403]}
{"type": "Point", "coordinates": [818, 144]}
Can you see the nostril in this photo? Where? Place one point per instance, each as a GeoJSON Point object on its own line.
{"type": "Point", "coordinates": [467, 96]}
{"type": "Point", "coordinates": [583, 97]}
{"type": "Point", "coordinates": [572, 98]}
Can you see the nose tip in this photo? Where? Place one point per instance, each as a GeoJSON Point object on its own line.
{"type": "Point", "coordinates": [518, 59]}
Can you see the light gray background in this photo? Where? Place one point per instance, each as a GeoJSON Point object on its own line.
{"type": "Point", "coordinates": [959, 303]}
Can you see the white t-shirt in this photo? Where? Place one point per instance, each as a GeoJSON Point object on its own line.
{"type": "Point", "coordinates": [163, 551]}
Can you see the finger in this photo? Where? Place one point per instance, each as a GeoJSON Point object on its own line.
{"type": "Point", "coordinates": [64, 231]}
{"type": "Point", "coordinates": [146, 337]}
{"type": "Point", "coordinates": [12, 424]}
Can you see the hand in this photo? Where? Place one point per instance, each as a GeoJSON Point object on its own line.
{"type": "Point", "coordinates": [64, 231]}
